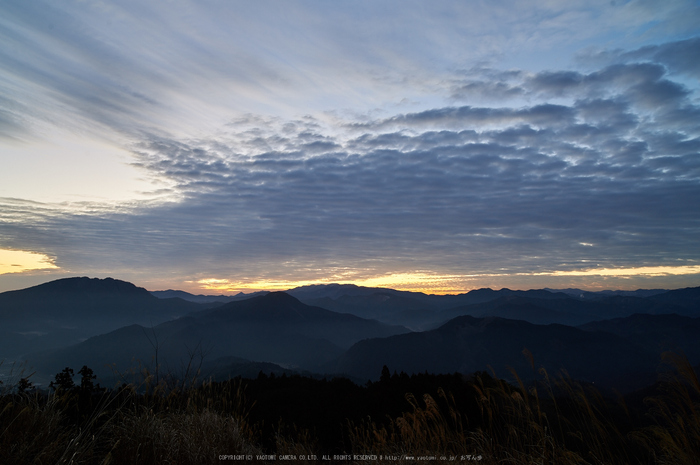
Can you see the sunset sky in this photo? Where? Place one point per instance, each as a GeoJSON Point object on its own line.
{"type": "Point", "coordinates": [226, 146]}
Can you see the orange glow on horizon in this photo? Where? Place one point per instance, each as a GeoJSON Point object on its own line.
{"type": "Point", "coordinates": [18, 261]}
{"type": "Point", "coordinates": [414, 282]}
{"type": "Point", "coordinates": [630, 272]}
{"type": "Point", "coordinates": [430, 283]}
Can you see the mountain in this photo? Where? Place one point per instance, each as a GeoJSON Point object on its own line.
{"type": "Point", "coordinates": [280, 311]}
{"type": "Point", "coordinates": [336, 292]}
{"type": "Point", "coordinates": [422, 312]}
{"type": "Point", "coordinates": [562, 309]}
{"type": "Point", "coordinates": [275, 328]}
{"type": "Point", "coordinates": [467, 344]}
{"type": "Point", "coordinates": [109, 324]}
{"type": "Point", "coordinates": [659, 333]}
{"type": "Point", "coordinates": [201, 298]}
{"type": "Point", "coordinates": [383, 306]}
{"type": "Point", "coordinates": [532, 310]}
{"type": "Point", "coordinates": [68, 310]}
{"type": "Point", "coordinates": [688, 298]}
{"type": "Point", "coordinates": [415, 310]}
{"type": "Point", "coordinates": [581, 294]}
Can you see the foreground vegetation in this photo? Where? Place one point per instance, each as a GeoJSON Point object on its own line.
{"type": "Point", "coordinates": [478, 418]}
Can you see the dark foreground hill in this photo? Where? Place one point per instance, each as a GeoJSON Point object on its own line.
{"type": "Point", "coordinates": [401, 418]}
{"type": "Point", "coordinates": [68, 310]}
{"type": "Point", "coordinates": [658, 333]}
{"type": "Point", "coordinates": [274, 328]}
{"type": "Point", "coordinates": [467, 344]}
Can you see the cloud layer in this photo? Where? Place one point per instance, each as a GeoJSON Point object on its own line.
{"type": "Point", "coordinates": [491, 171]}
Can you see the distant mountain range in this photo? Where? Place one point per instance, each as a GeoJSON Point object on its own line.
{"type": "Point", "coordinates": [581, 294]}
{"type": "Point", "coordinates": [69, 310]}
{"type": "Point", "coordinates": [612, 339]}
{"type": "Point", "coordinates": [419, 311]}
{"type": "Point", "coordinates": [275, 328]}
{"type": "Point", "coordinates": [201, 298]}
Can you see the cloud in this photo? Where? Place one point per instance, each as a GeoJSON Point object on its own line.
{"type": "Point", "coordinates": [564, 170]}
{"type": "Point", "coordinates": [479, 90]}
{"type": "Point", "coordinates": [114, 69]}
{"type": "Point", "coordinates": [679, 57]}
{"type": "Point", "coordinates": [459, 117]}
{"type": "Point", "coordinates": [630, 272]}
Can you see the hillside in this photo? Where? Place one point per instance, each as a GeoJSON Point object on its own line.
{"type": "Point", "coordinates": [68, 310]}
{"type": "Point", "coordinates": [275, 328]}
{"type": "Point", "coordinates": [467, 344]}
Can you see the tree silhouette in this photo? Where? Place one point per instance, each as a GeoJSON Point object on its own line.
{"type": "Point", "coordinates": [86, 384]}
{"type": "Point", "coordinates": [24, 385]}
{"type": "Point", "coordinates": [63, 381]}
{"type": "Point", "coordinates": [386, 375]}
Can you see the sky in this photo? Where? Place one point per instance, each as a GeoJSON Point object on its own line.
{"type": "Point", "coordinates": [224, 147]}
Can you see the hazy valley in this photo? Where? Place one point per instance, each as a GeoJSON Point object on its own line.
{"type": "Point", "coordinates": [614, 340]}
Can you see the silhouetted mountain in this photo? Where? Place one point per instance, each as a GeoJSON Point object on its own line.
{"type": "Point", "coordinates": [201, 298]}
{"type": "Point", "coordinates": [658, 333]}
{"type": "Point", "coordinates": [468, 344]}
{"type": "Point", "coordinates": [343, 294]}
{"type": "Point", "coordinates": [333, 291]}
{"type": "Point", "coordinates": [121, 324]}
{"type": "Point", "coordinates": [68, 310]}
{"type": "Point", "coordinates": [562, 310]}
{"type": "Point", "coordinates": [688, 298]}
{"type": "Point", "coordinates": [274, 328]}
{"type": "Point", "coordinates": [59, 298]}
{"type": "Point", "coordinates": [336, 292]}
{"type": "Point", "coordinates": [416, 310]}
{"type": "Point", "coordinates": [487, 295]}
{"type": "Point", "coordinates": [595, 295]}
{"type": "Point", "coordinates": [382, 306]}
{"type": "Point", "coordinates": [387, 304]}
{"type": "Point", "coordinates": [280, 311]}
{"type": "Point", "coordinates": [532, 310]}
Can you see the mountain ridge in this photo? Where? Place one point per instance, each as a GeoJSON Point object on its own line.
{"type": "Point", "coordinates": [275, 328]}
{"type": "Point", "coordinates": [612, 338]}
{"type": "Point", "coordinates": [68, 310]}
{"type": "Point", "coordinates": [467, 344]}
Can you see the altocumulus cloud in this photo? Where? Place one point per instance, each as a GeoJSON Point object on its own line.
{"type": "Point", "coordinates": [592, 169]}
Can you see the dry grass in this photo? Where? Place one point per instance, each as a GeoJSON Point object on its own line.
{"type": "Point", "coordinates": [183, 427]}
{"type": "Point", "coordinates": [512, 432]}
{"type": "Point", "coordinates": [182, 438]}
{"type": "Point", "coordinates": [426, 431]}
{"type": "Point", "coordinates": [191, 427]}
{"type": "Point", "coordinates": [36, 429]}
{"type": "Point", "coordinates": [553, 421]}
{"type": "Point", "coordinates": [675, 439]}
